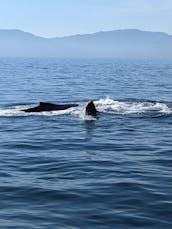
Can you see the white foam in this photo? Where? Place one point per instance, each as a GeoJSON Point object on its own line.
{"type": "Point", "coordinates": [108, 105]}
{"type": "Point", "coordinates": [105, 105]}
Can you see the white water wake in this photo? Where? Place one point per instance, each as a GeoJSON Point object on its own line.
{"type": "Point", "coordinates": [106, 105]}
{"type": "Point", "coordinates": [117, 107]}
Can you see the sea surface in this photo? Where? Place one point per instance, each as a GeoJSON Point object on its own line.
{"type": "Point", "coordinates": [63, 169]}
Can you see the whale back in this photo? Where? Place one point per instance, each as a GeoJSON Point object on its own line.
{"type": "Point", "coordinates": [49, 107]}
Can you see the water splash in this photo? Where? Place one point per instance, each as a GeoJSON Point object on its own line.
{"type": "Point", "coordinates": [105, 105]}
{"type": "Point", "coordinates": [108, 105]}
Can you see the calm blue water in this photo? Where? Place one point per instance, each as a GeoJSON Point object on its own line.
{"type": "Point", "coordinates": [65, 170]}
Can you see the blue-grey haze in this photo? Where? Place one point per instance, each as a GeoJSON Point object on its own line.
{"type": "Point", "coordinates": [129, 44]}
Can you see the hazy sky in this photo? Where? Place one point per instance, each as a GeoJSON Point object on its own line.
{"type": "Point", "coordinates": [52, 18]}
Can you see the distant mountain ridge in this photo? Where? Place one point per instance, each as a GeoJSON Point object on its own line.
{"type": "Point", "coordinates": [129, 43]}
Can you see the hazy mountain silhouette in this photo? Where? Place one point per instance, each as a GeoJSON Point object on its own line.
{"type": "Point", "coordinates": [130, 43]}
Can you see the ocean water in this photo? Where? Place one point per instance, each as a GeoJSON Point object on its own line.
{"type": "Point", "coordinates": [63, 169]}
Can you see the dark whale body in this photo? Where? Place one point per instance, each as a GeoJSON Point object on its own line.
{"type": "Point", "coordinates": [49, 107]}
{"type": "Point", "coordinates": [90, 108]}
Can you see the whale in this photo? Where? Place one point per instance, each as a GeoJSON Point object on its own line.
{"type": "Point", "coordinates": [43, 106]}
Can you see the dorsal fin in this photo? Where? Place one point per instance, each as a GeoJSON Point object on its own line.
{"type": "Point", "coordinates": [90, 109]}
{"type": "Point", "coordinates": [45, 104]}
